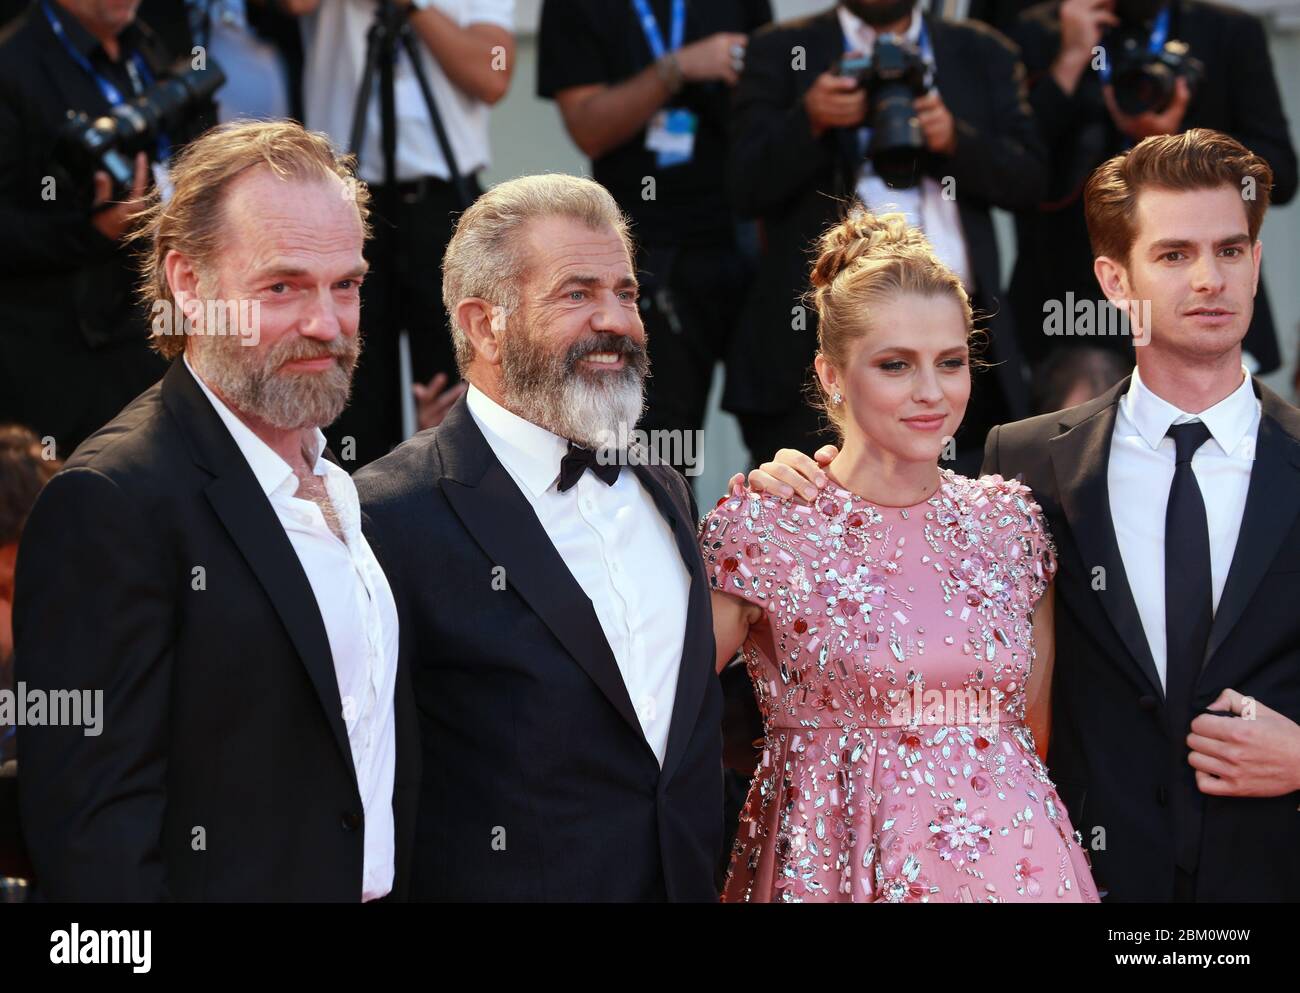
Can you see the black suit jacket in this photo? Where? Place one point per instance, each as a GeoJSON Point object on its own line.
{"type": "Point", "coordinates": [153, 567]}
{"type": "Point", "coordinates": [1238, 96]}
{"type": "Point", "coordinates": [538, 782]}
{"type": "Point", "coordinates": [1111, 754]}
{"type": "Point", "coordinates": [798, 185]}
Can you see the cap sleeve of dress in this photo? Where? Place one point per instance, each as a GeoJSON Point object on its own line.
{"type": "Point", "coordinates": [731, 540]}
{"type": "Point", "coordinates": [1031, 553]}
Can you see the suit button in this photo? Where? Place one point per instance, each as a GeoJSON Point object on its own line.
{"type": "Point", "coordinates": [1148, 703]}
{"type": "Point", "coordinates": [1162, 796]}
{"type": "Point", "coordinates": [351, 820]}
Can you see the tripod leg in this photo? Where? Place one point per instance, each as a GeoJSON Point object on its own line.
{"type": "Point", "coordinates": [439, 130]}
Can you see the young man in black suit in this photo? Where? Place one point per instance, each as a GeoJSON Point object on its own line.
{"type": "Point", "coordinates": [1082, 126]}
{"type": "Point", "coordinates": [797, 157]}
{"type": "Point", "coordinates": [199, 564]}
{"type": "Point", "coordinates": [554, 607]}
{"type": "Point", "coordinates": [1174, 502]}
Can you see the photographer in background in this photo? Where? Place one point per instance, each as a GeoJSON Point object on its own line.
{"type": "Point", "coordinates": [804, 142]}
{"type": "Point", "coordinates": [631, 79]}
{"type": "Point", "coordinates": [1223, 81]}
{"type": "Point", "coordinates": [74, 343]}
{"type": "Point", "coordinates": [467, 52]}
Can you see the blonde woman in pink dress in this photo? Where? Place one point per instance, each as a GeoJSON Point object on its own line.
{"type": "Point", "coordinates": [896, 631]}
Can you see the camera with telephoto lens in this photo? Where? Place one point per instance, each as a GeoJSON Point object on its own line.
{"type": "Point", "coordinates": [109, 143]}
{"type": "Point", "coordinates": [893, 75]}
{"type": "Point", "coordinates": [1144, 80]}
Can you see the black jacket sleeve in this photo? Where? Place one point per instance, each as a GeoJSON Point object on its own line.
{"type": "Point", "coordinates": [93, 611]}
{"type": "Point", "coordinates": [1004, 165]}
{"type": "Point", "coordinates": [48, 228]}
{"type": "Point", "coordinates": [1259, 122]}
{"type": "Point", "coordinates": [774, 156]}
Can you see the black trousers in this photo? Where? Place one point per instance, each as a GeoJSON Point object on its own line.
{"type": "Point", "coordinates": [802, 428]}
{"type": "Point", "coordinates": [689, 305]}
{"type": "Point", "coordinates": [55, 383]}
{"type": "Point", "coordinates": [1184, 886]}
{"type": "Point", "coordinates": [403, 290]}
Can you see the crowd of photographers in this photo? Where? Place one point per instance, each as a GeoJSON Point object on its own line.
{"type": "Point", "coordinates": [730, 140]}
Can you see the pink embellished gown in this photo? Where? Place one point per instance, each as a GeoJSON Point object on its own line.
{"type": "Point", "coordinates": [890, 667]}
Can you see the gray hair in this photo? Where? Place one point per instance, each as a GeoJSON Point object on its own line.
{"type": "Point", "coordinates": [486, 258]}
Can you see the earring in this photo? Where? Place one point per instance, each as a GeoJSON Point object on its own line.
{"type": "Point", "coordinates": [836, 398]}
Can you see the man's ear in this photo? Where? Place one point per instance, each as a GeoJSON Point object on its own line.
{"type": "Point", "coordinates": [1112, 277]}
{"type": "Point", "coordinates": [483, 324]}
{"type": "Point", "coordinates": [183, 280]}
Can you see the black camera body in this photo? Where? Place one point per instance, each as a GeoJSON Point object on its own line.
{"type": "Point", "coordinates": [894, 74]}
{"type": "Point", "coordinates": [1144, 80]}
{"type": "Point", "coordinates": [110, 142]}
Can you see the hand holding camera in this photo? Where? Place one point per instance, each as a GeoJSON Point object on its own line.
{"type": "Point", "coordinates": [1148, 123]}
{"type": "Point", "coordinates": [835, 101]}
{"type": "Point", "coordinates": [112, 221]}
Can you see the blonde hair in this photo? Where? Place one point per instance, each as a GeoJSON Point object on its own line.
{"type": "Point", "coordinates": [485, 257]}
{"type": "Point", "coordinates": [862, 261]}
{"type": "Point", "coordinates": [190, 222]}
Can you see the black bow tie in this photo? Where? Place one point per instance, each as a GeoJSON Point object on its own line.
{"type": "Point", "coordinates": [578, 461]}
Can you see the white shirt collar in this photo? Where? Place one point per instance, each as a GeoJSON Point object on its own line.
{"type": "Point", "coordinates": [272, 471]}
{"type": "Point", "coordinates": [1228, 420]}
{"type": "Point", "coordinates": [861, 35]}
{"type": "Point", "coordinates": [529, 451]}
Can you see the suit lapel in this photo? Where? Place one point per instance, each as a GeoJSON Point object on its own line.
{"type": "Point", "coordinates": [1272, 502]}
{"type": "Point", "coordinates": [255, 529]}
{"type": "Point", "coordinates": [692, 673]}
{"type": "Point", "coordinates": [1080, 457]}
{"type": "Point", "coordinates": [502, 522]}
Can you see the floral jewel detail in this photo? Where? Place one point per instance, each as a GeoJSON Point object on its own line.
{"type": "Point", "coordinates": [960, 838]}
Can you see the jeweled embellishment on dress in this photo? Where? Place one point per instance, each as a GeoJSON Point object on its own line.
{"type": "Point", "coordinates": [890, 670]}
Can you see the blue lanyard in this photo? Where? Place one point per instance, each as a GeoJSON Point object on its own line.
{"type": "Point", "coordinates": [111, 93]}
{"type": "Point", "coordinates": [650, 25]}
{"type": "Point", "coordinates": [1159, 33]}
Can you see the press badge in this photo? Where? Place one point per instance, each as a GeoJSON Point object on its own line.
{"type": "Point", "coordinates": [671, 136]}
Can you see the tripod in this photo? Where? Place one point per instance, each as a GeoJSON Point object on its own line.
{"type": "Point", "coordinates": [389, 35]}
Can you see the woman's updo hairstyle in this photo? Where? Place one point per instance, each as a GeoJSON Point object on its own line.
{"type": "Point", "coordinates": [862, 261]}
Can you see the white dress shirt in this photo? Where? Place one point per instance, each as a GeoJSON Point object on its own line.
{"type": "Point", "coordinates": [924, 204]}
{"type": "Point", "coordinates": [1140, 472]}
{"type": "Point", "coordinates": [360, 616]}
{"type": "Point", "coordinates": [334, 54]}
{"type": "Point", "coordinates": [617, 546]}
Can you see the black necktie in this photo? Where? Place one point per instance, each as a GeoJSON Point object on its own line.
{"type": "Point", "coordinates": [578, 461]}
{"type": "Point", "coordinates": [1189, 612]}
